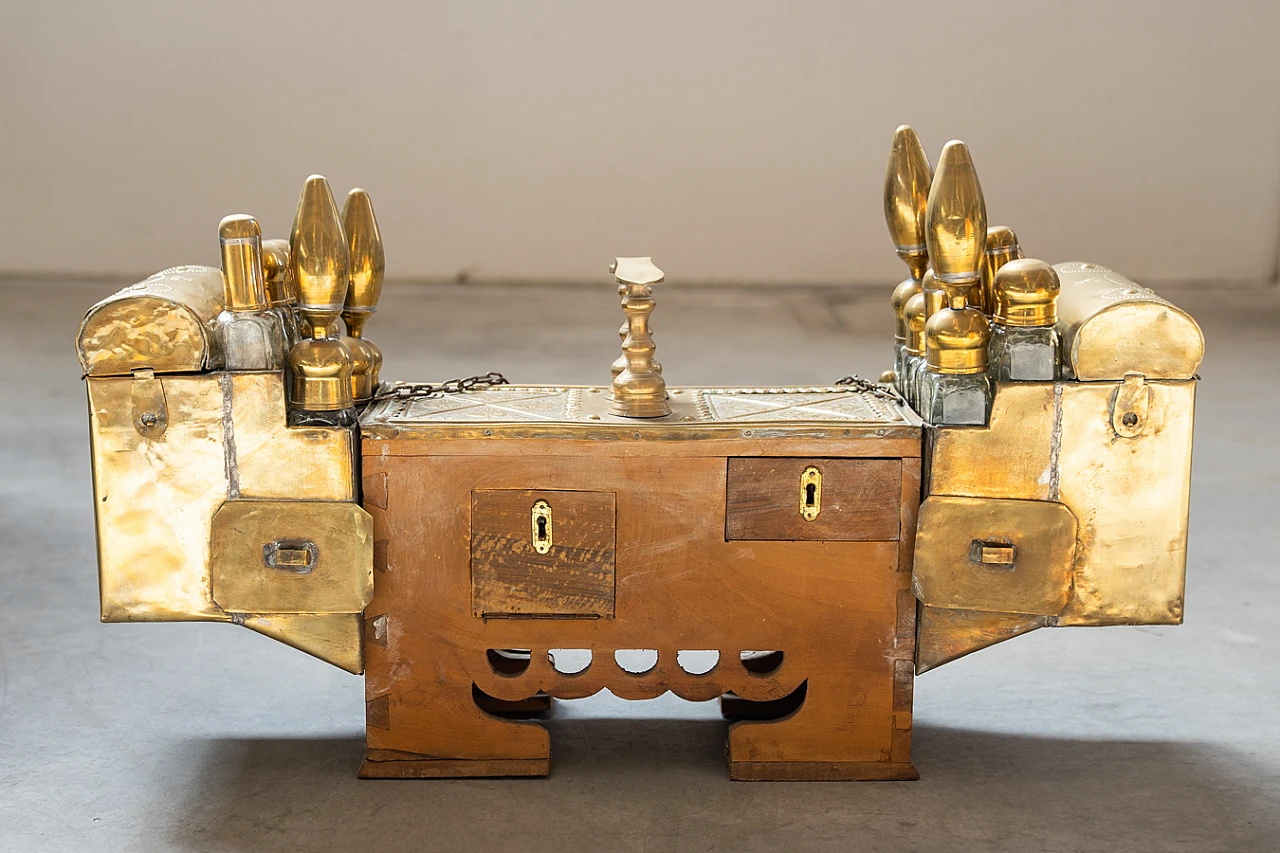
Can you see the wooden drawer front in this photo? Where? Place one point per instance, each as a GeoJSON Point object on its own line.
{"type": "Point", "coordinates": [860, 499]}
{"type": "Point", "coordinates": [574, 579]}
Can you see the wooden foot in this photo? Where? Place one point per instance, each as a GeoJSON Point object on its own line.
{"type": "Point", "coordinates": [820, 771]}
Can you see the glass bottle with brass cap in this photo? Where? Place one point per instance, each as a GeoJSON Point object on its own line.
{"type": "Point", "coordinates": [319, 366]}
{"type": "Point", "coordinates": [956, 337]}
{"type": "Point", "coordinates": [906, 192]}
{"type": "Point", "coordinates": [249, 334]}
{"type": "Point", "coordinates": [368, 266]}
{"type": "Point", "coordinates": [1024, 336]}
{"type": "Point", "coordinates": [913, 358]}
{"type": "Point", "coordinates": [1002, 247]}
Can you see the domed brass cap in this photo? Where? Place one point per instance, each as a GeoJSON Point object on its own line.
{"type": "Point", "coordinates": [913, 311]}
{"type": "Point", "coordinates": [956, 341]}
{"type": "Point", "coordinates": [321, 371]}
{"type": "Point", "coordinates": [956, 219]}
{"type": "Point", "coordinates": [1026, 294]}
{"type": "Point", "coordinates": [905, 290]}
{"type": "Point", "coordinates": [1002, 247]}
{"type": "Point", "coordinates": [366, 363]}
{"type": "Point", "coordinates": [906, 192]}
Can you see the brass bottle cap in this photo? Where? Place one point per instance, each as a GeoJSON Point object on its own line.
{"type": "Point", "coordinates": [1002, 247]}
{"type": "Point", "coordinates": [241, 241]}
{"type": "Point", "coordinates": [1026, 294]}
{"type": "Point", "coordinates": [321, 371]}
{"type": "Point", "coordinates": [368, 261]}
{"type": "Point", "coordinates": [906, 192]}
{"type": "Point", "coordinates": [906, 289]}
{"type": "Point", "coordinates": [319, 255]}
{"type": "Point", "coordinates": [276, 273]}
{"type": "Point", "coordinates": [913, 311]}
{"type": "Point", "coordinates": [956, 219]}
{"type": "Point", "coordinates": [956, 341]}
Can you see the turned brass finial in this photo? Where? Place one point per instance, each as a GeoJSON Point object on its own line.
{"type": "Point", "coordinates": [242, 280]}
{"type": "Point", "coordinates": [320, 264]}
{"type": "Point", "coordinates": [1002, 247]}
{"type": "Point", "coordinates": [368, 265]}
{"type": "Point", "coordinates": [906, 193]}
{"type": "Point", "coordinates": [956, 223]}
{"type": "Point", "coordinates": [639, 391]}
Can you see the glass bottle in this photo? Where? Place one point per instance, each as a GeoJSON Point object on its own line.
{"type": "Point", "coordinates": [249, 333]}
{"type": "Point", "coordinates": [1024, 338]}
{"type": "Point", "coordinates": [956, 341]}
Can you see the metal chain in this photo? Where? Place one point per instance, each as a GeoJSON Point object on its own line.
{"type": "Point", "coordinates": [872, 388]}
{"type": "Point", "coordinates": [413, 390]}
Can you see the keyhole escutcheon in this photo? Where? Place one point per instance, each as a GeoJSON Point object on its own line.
{"type": "Point", "coordinates": [810, 493]}
{"type": "Point", "coordinates": [541, 527]}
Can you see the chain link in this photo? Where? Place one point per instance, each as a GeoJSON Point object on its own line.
{"type": "Point", "coordinates": [414, 390]}
{"type": "Point", "coordinates": [872, 388]}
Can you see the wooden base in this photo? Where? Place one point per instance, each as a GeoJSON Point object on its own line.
{"type": "Point", "coordinates": [818, 771]}
{"type": "Point", "coordinates": [455, 768]}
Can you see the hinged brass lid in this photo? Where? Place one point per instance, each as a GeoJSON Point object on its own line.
{"type": "Point", "coordinates": [1111, 326]}
{"type": "Point", "coordinates": [164, 323]}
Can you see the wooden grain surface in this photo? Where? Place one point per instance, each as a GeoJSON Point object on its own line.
{"type": "Point", "coordinates": [860, 499]}
{"type": "Point", "coordinates": [510, 578]}
{"type": "Point", "coordinates": [834, 608]}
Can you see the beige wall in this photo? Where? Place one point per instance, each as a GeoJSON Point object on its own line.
{"type": "Point", "coordinates": [739, 141]}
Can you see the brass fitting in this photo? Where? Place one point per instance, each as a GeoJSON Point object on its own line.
{"type": "Point", "coordinates": [241, 241]}
{"type": "Point", "coordinates": [1002, 247]}
{"type": "Point", "coordinates": [906, 192]}
{"type": "Point", "coordinates": [368, 267]}
{"type": "Point", "coordinates": [1026, 294]}
{"type": "Point", "coordinates": [913, 312]}
{"type": "Point", "coordinates": [638, 391]}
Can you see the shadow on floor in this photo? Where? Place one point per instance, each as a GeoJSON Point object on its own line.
{"type": "Point", "coordinates": [622, 784]}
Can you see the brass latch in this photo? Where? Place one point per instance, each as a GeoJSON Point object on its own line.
{"type": "Point", "coordinates": [291, 555]}
{"type": "Point", "coordinates": [992, 553]}
{"type": "Point", "coordinates": [1129, 406]}
{"type": "Point", "coordinates": [810, 493]}
{"type": "Point", "coordinates": [150, 412]}
{"type": "Point", "coordinates": [541, 524]}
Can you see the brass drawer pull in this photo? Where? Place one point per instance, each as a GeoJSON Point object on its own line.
{"type": "Point", "coordinates": [810, 493]}
{"type": "Point", "coordinates": [541, 525]}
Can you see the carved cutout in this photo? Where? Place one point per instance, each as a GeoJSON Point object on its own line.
{"type": "Point", "coordinates": [570, 661]}
{"type": "Point", "coordinates": [509, 662]}
{"type": "Point", "coordinates": [698, 661]}
{"type": "Point", "coordinates": [636, 661]}
{"type": "Point", "coordinates": [761, 663]}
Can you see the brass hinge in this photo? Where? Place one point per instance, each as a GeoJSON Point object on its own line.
{"type": "Point", "coordinates": [1129, 406]}
{"type": "Point", "coordinates": [150, 412]}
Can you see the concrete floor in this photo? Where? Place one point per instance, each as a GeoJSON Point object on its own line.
{"type": "Point", "coordinates": [210, 737]}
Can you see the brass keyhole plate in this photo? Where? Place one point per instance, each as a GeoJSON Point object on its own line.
{"type": "Point", "coordinates": [810, 493]}
{"type": "Point", "coordinates": [541, 527]}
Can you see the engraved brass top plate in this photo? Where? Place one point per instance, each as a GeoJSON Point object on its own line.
{"type": "Point", "coordinates": [583, 412]}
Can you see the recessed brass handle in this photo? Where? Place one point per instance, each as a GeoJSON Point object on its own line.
{"type": "Point", "coordinates": [810, 493]}
{"type": "Point", "coordinates": [541, 527]}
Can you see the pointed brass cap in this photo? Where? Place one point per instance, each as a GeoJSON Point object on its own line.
{"type": "Point", "coordinates": [906, 193]}
{"type": "Point", "coordinates": [242, 281]}
{"type": "Point", "coordinates": [368, 261]}
{"type": "Point", "coordinates": [956, 219]}
{"type": "Point", "coordinates": [319, 255]}
{"type": "Point", "coordinates": [913, 311]}
{"type": "Point", "coordinates": [1026, 294]}
{"type": "Point", "coordinates": [956, 341]}
{"type": "Point", "coordinates": [906, 289]}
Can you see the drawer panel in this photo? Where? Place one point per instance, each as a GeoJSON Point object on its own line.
{"type": "Point", "coordinates": [568, 574]}
{"type": "Point", "coordinates": [857, 499]}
